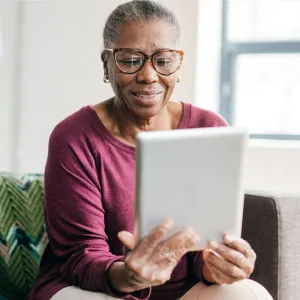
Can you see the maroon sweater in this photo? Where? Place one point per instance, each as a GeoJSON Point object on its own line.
{"type": "Point", "coordinates": [89, 198]}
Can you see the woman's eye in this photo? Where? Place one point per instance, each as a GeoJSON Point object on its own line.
{"type": "Point", "coordinates": [131, 61]}
{"type": "Point", "coordinates": [163, 62]}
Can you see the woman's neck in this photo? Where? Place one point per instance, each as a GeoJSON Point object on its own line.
{"type": "Point", "coordinates": [118, 122]}
{"type": "Point", "coordinates": [126, 126]}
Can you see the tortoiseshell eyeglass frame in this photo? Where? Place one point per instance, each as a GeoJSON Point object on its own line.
{"type": "Point", "coordinates": [146, 57]}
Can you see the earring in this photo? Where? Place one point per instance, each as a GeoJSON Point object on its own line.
{"type": "Point", "coordinates": [106, 78]}
{"type": "Point", "coordinates": [178, 78]}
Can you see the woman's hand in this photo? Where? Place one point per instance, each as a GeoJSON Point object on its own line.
{"type": "Point", "coordinates": [153, 259]}
{"type": "Point", "coordinates": [229, 262]}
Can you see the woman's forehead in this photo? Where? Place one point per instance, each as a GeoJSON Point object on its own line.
{"type": "Point", "coordinates": [147, 36]}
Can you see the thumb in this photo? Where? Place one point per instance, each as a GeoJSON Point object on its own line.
{"type": "Point", "coordinates": [205, 254]}
{"type": "Point", "coordinates": [127, 239]}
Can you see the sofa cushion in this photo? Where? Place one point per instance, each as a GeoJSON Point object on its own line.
{"type": "Point", "coordinates": [22, 233]}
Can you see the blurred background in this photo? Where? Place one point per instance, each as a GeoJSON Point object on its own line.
{"type": "Point", "coordinates": [242, 59]}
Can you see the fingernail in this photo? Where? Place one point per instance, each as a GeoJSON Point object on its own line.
{"type": "Point", "coordinates": [124, 233]}
{"type": "Point", "coordinates": [196, 239]}
{"type": "Point", "coordinates": [189, 232]}
{"type": "Point", "coordinates": [214, 245]}
{"type": "Point", "coordinates": [206, 253]}
{"type": "Point", "coordinates": [228, 238]}
{"type": "Point", "coordinates": [216, 254]}
{"type": "Point", "coordinates": [168, 223]}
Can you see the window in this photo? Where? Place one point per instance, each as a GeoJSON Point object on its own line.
{"type": "Point", "coordinates": [260, 78]}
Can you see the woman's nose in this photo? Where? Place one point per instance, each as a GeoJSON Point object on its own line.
{"type": "Point", "coordinates": [147, 73]}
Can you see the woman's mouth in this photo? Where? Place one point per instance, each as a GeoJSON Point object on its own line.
{"type": "Point", "coordinates": [146, 98]}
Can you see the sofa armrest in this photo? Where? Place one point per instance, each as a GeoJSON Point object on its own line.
{"type": "Point", "coordinates": [289, 247]}
{"type": "Point", "coordinates": [260, 229]}
{"type": "Point", "coordinates": [272, 226]}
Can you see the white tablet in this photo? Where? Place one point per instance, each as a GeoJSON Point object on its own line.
{"type": "Point", "coordinates": [195, 177]}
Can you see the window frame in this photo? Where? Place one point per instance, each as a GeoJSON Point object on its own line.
{"type": "Point", "coordinates": [229, 53]}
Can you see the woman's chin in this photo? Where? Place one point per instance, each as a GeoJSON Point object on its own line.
{"type": "Point", "coordinates": [147, 112]}
{"type": "Point", "coordinates": [146, 108]}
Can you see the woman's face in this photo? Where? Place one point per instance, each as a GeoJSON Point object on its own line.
{"type": "Point", "coordinates": [144, 93]}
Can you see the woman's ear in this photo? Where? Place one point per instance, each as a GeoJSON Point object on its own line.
{"type": "Point", "coordinates": [104, 55]}
{"type": "Point", "coordinates": [104, 58]}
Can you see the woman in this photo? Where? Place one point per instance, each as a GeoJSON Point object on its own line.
{"type": "Point", "coordinates": [89, 183]}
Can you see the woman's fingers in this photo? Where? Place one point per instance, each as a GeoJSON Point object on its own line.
{"type": "Point", "coordinates": [153, 260]}
{"type": "Point", "coordinates": [127, 239]}
{"type": "Point", "coordinates": [240, 245]}
{"type": "Point", "coordinates": [225, 267]}
{"type": "Point", "coordinates": [181, 241]}
{"type": "Point", "coordinates": [150, 241]}
{"type": "Point", "coordinates": [218, 276]}
{"type": "Point", "coordinates": [139, 260]}
{"type": "Point", "coordinates": [243, 247]}
{"type": "Point", "coordinates": [171, 250]}
{"type": "Point", "coordinates": [231, 261]}
{"type": "Point", "coordinates": [234, 257]}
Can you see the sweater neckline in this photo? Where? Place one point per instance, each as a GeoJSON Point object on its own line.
{"type": "Point", "coordinates": [183, 123]}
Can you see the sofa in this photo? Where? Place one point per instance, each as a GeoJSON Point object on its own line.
{"type": "Point", "coordinates": [271, 225]}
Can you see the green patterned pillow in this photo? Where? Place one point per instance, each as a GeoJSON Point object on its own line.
{"type": "Point", "coordinates": [22, 233]}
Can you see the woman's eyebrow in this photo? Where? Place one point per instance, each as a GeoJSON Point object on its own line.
{"type": "Point", "coordinates": [162, 49]}
{"type": "Point", "coordinates": [156, 50]}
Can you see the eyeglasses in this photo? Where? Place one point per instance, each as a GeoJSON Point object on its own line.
{"type": "Point", "coordinates": [165, 62]}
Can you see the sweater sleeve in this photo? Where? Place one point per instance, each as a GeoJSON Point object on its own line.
{"type": "Point", "coordinates": [74, 215]}
{"type": "Point", "coordinates": [197, 263]}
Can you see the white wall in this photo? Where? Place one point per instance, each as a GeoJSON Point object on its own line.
{"type": "Point", "coordinates": [61, 69]}
{"type": "Point", "coordinates": [273, 167]}
{"type": "Point", "coordinates": [208, 54]}
{"type": "Point", "coordinates": [8, 79]}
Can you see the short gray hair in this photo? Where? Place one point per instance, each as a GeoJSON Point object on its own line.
{"type": "Point", "coordinates": [137, 10]}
